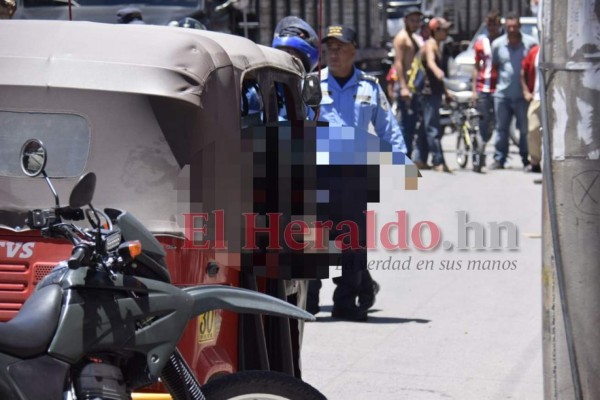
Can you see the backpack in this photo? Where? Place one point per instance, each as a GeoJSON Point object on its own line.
{"type": "Point", "coordinates": [416, 74]}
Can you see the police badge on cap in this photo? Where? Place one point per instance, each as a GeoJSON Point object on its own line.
{"type": "Point", "coordinates": [342, 33]}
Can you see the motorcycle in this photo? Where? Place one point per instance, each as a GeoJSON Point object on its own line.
{"type": "Point", "coordinates": [107, 320]}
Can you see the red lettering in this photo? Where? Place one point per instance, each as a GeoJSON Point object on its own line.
{"type": "Point", "coordinates": [352, 234]}
{"type": "Point", "coordinates": [435, 235]}
{"type": "Point", "coordinates": [319, 237]}
{"type": "Point", "coordinates": [290, 232]}
{"type": "Point", "coordinates": [190, 231]}
{"type": "Point", "coordinates": [220, 230]}
{"type": "Point", "coordinates": [401, 227]}
{"type": "Point", "coordinates": [371, 229]}
{"type": "Point", "coordinates": [252, 230]}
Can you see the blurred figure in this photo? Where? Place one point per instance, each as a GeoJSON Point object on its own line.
{"type": "Point", "coordinates": [508, 52]}
{"type": "Point", "coordinates": [130, 15]}
{"type": "Point", "coordinates": [424, 33]}
{"type": "Point", "coordinates": [406, 48]}
{"type": "Point", "coordinates": [484, 77]}
{"type": "Point", "coordinates": [296, 37]}
{"type": "Point", "coordinates": [7, 8]}
{"type": "Point", "coordinates": [189, 23]}
{"type": "Point", "coordinates": [531, 92]}
{"type": "Point", "coordinates": [433, 92]}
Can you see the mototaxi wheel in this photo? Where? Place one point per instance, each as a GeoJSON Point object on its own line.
{"type": "Point", "coordinates": [462, 150]}
{"type": "Point", "coordinates": [259, 385]}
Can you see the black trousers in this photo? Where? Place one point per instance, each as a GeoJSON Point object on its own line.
{"type": "Point", "coordinates": [355, 284]}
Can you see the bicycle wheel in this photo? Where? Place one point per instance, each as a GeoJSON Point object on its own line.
{"type": "Point", "coordinates": [260, 385]}
{"type": "Point", "coordinates": [477, 161]}
{"type": "Point", "coordinates": [462, 150]}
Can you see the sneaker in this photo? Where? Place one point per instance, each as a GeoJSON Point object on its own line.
{"type": "Point", "coordinates": [354, 314]}
{"type": "Point", "coordinates": [497, 165]}
{"type": "Point", "coordinates": [535, 168]}
{"type": "Point", "coordinates": [367, 300]}
{"type": "Point", "coordinates": [441, 168]}
{"type": "Point", "coordinates": [376, 287]}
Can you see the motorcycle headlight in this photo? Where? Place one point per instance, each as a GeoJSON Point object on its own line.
{"type": "Point", "coordinates": [112, 241]}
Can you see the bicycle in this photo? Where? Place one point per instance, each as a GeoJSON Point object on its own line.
{"type": "Point", "coordinates": [464, 119]}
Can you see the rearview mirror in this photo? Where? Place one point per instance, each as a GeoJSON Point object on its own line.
{"type": "Point", "coordinates": [311, 91]}
{"type": "Point", "coordinates": [83, 192]}
{"type": "Point", "coordinates": [33, 157]}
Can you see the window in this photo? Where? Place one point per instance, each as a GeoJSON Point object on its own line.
{"type": "Point", "coordinates": [252, 106]}
{"type": "Point", "coordinates": [65, 136]}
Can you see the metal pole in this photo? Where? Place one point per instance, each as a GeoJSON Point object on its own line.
{"type": "Point", "coordinates": [571, 268]}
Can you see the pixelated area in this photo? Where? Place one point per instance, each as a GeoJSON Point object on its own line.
{"type": "Point", "coordinates": [308, 171]}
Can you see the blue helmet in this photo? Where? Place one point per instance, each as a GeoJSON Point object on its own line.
{"type": "Point", "coordinates": [188, 22]}
{"type": "Point", "coordinates": [294, 33]}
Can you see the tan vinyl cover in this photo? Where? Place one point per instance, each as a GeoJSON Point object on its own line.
{"type": "Point", "coordinates": [162, 105]}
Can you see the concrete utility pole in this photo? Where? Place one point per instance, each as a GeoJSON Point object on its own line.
{"type": "Point", "coordinates": [570, 62]}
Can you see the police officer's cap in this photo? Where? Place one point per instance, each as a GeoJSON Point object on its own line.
{"type": "Point", "coordinates": [342, 33]}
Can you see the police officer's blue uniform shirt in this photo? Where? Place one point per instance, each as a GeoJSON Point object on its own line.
{"type": "Point", "coordinates": [358, 103]}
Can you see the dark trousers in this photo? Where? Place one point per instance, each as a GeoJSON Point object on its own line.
{"type": "Point", "coordinates": [409, 121]}
{"type": "Point", "coordinates": [355, 282]}
{"type": "Point", "coordinates": [431, 124]}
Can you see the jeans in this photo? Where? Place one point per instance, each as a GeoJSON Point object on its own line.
{"type": "Point", "coordinates": [409, 118]}
{"type": "Point", "coordinates": [505, 109]}
{"type": "Point", "coordinates": [485, 108]}
{"type": "Point", "coordinates": [432, 128]}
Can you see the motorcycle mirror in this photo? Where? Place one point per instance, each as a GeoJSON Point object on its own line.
{"type": "Point", "coordinates": [33, 157]}
{"type": "Point", "coordinates": [83, 192]}
{"type": "Point", "coordinates": [311, 91]}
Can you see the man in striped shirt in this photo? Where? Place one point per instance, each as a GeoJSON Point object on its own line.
{"type": "Point", "coordinates": [484, 84]}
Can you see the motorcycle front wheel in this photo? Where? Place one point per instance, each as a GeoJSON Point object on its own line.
{"type": "Point", "coordinates": [259, 385]}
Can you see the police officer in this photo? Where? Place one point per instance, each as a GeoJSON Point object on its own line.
{"type": "Point", "coordinates": [350, 96]}
{"type": "Point", "coordinates": [297, 37]}
{"type": "Point", "coordinates": [353, 98]}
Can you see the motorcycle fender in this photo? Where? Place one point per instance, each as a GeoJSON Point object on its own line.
{"type": "Point", "coordinates": [216, 297]}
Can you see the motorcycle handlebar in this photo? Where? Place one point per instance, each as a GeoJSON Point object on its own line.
{"type": "Point", "coordinates": [76, 257]}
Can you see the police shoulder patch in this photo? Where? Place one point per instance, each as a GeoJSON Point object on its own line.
{"type": "Point", "coordinates": [368, 77]}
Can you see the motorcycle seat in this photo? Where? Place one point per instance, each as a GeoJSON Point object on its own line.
{"type": "Point", "coordinates": [29, 333]}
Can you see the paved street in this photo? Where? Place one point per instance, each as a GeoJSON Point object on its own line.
{"type": "Point", "coordinates": [444, 334]}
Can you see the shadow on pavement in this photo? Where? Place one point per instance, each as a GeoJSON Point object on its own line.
{"type": "Point", "coordinates": [373, 319]}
